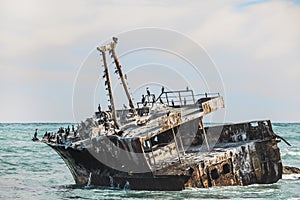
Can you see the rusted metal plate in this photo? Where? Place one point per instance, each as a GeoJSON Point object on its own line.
{"type": "Point", "coordinates": [244, 165]}
{"type": "Point", "coordinates": [213, 105]}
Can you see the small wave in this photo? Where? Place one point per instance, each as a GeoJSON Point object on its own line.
{"type": "Point", "coordinates": [70, 186]}
{"type": "Point", "coordinates": [84, 187]}
{"type": "Point", "coordinates": [290, 153]}
{"type": "Point", "coordinates": [291, 176]}
{"type": "Point", "coordinates": [77, 197]}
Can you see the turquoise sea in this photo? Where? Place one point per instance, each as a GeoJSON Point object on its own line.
{"type": "Point", "coordinates": [31, 170]}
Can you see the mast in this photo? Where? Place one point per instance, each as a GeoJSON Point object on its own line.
{"type": "Point", "coordinates": [120, 72]}
{"type": "Point", "coordinates": [103, 49]}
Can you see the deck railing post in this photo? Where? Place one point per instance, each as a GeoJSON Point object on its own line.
{"type": "Point", "coordinates": [176, 144]}
{"type": "Point", "coordinates": [204, 133]}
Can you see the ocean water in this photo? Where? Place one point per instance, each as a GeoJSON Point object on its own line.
{"type": "Point", "coordinates": [31, 170]}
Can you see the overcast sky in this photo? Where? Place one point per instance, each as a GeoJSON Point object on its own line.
{"type": "Point", "coordinates": [254, 44]}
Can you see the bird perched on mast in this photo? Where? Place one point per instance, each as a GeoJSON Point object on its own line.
{"type": "Point", "coordinates": [115, 39]}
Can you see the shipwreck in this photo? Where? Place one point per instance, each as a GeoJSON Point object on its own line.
{"type": "Point", "coordinates": [161, 143]}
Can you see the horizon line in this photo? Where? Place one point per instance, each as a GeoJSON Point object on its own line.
{"type": "Point", "coordinates": [66, 122]}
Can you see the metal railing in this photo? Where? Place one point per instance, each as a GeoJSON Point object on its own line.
{"type": "Point", "coordinates": [174, 98]}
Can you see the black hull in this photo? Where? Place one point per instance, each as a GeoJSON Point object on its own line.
{"type": "Point", "coordinates": [87, 170]}
{"type": "Point", "coordinates": [254, 159]}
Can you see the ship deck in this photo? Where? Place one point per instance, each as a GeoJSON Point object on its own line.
{"type": "Point", "coordinates": [153, 126]}
{"type": "Point", "coordinates": [198, 154]}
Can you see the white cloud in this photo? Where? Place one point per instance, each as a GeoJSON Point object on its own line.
{"type": "Point", "coordinates": [34, 25]}
{"type": "Point", "coordinates": [270, 28]}
{"type": "Point", "coordinates": [257, 50]}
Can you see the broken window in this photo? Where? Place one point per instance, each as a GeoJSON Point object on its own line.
{"type": "Point", "coordinates": [226, 168]}
{"type": "Point", "coordinates": [214, 174]}
{"type": "Point", "coordinates": [157, 141]}
{"type": "Point", "coordinates": [147, 146]}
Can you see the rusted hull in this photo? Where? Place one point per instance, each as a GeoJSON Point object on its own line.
{"type": "Point", "coordinates": [243, 155]}
{"type": "Point", "coordinates": [257, 162]}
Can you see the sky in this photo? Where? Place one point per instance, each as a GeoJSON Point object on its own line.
{"type": "Point", "coordinates": [254, 45]}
